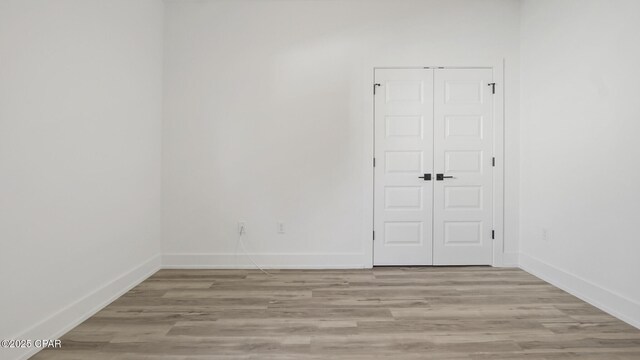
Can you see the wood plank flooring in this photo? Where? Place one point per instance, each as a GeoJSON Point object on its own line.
{"type": "Point", "coordinates": [469, 313]}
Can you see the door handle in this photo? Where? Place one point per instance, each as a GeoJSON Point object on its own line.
{"type": "Point", "coordinates": [426, 177]}
{"type": "Point", "coordinates": [441, 177]}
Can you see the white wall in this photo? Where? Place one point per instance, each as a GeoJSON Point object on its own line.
{"type": "Point", "coordinates": [268, 115]}
{"type": "Point", "coordinates": [80, 122]}
{"type": "Point", "coordinates": [580, 150]}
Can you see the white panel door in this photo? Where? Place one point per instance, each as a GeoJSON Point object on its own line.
{"type": "Point", "coordinates": [463, 137]}
{"type": "Point", "coordinates": [403, 198]}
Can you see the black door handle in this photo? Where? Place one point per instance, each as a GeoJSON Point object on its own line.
{"type": "Point", "coordinates": [426, 177]}
{"type": "Point", "coordinates": [441, 177]}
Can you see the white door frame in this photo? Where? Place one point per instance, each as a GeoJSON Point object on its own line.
{"type": "Point", "coordinates": [498, 150]}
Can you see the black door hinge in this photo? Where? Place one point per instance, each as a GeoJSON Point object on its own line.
{"type": "Point", "coordinates": [493, 162]}
{"type": "Point", "coordinates": [493, 87]}
{"type": "Point", "coordinates": [374, 162]}
{"type": "Point", "coordinates": [374, 88]}
{"type": "Point", "coordinates": [493, 234]}
{"type": "Point", "coordinates": [374, 236]}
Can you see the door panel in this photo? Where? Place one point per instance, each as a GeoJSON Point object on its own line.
{"type": "Point", "coordinates": [463, 120]}
{"type": "Point", "coordinates": [404, 152]}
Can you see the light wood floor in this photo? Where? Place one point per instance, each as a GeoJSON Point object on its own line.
{"type": "Point", "coordinates": [385, 313]}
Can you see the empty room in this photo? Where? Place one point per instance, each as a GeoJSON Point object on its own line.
{"type": "Point", "coordinates": [319, 179]}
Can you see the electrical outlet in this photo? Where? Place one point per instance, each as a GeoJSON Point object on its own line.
{"type": "Point", "coordinates": [280, 228]}
{"type": "Point", "coordinates": [545, 234]}
{"type": "Point", "coordinates": [242, 227]}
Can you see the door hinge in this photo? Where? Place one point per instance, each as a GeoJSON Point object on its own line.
{"type": "Point", "coordinates": [493, 87]}
{"type": "Point", "coordinates": [374, 236]}
{"type": "Point", "coordinates": [374, 162]}
{"type": "Point", "coordinates": [374, 88]}
{"type": "Point", "coordinates": [493, 161]}
{"type": "Point", "coordinates": [493, 234]}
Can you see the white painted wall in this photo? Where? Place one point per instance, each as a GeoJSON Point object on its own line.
{"type": "Point", "coordinates": [80, 122]}
{"type": "Point", "coordinates": [267, 112]}
{"type": "Point", "coordinates": [580, 153]}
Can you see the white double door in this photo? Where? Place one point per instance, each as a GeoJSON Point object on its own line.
{"type": "Point", "coordinates": [433, 167]}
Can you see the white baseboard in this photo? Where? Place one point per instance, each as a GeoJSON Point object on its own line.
{"type": "Point", "coordinates": [266, 261]}
{"type": "Point", "coordinates": [604, 299]}
{"type": "Point", "coordinates": [75, 313]}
